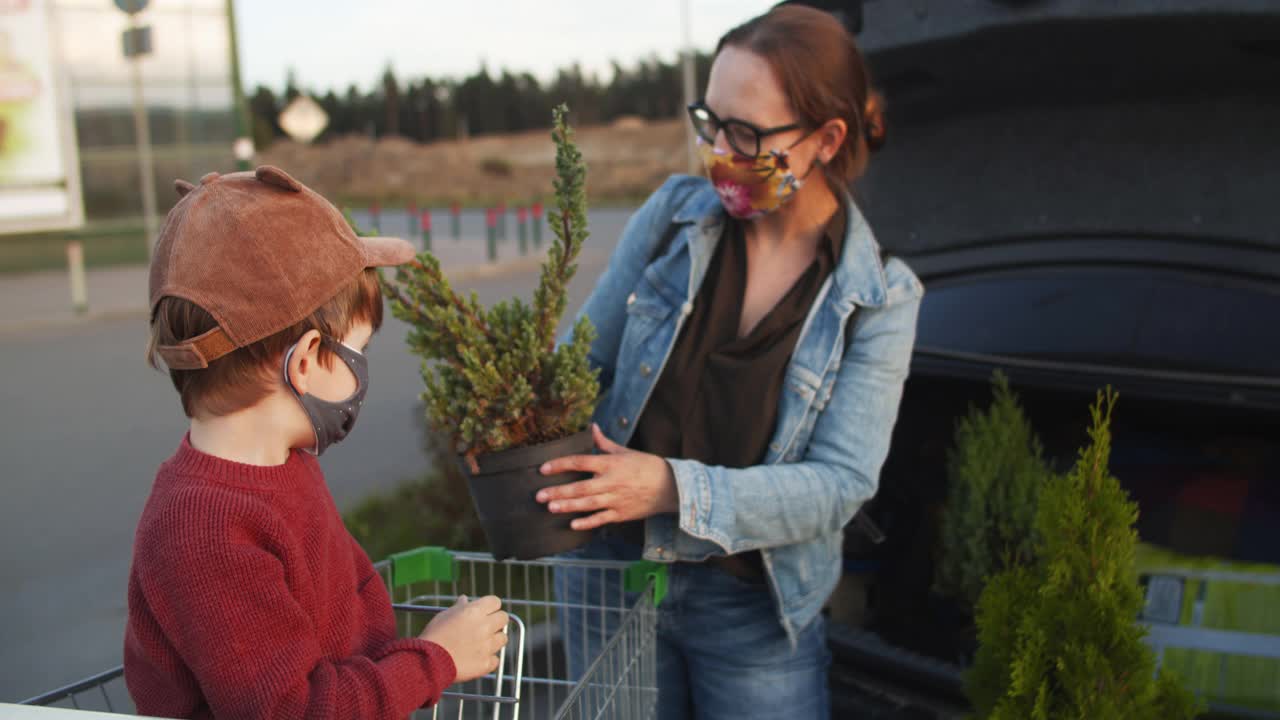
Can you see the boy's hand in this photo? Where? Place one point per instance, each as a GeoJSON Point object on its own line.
{"type": "Point", "coordinates": [473, 632]}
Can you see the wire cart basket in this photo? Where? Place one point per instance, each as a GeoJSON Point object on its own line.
{"type": "Point", "coordinates": [532, 681]}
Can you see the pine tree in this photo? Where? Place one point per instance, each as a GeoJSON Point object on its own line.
{"type": "Point", "coordinates": [495, 378]}
{"type": "Point", "coordinates": [1059, 639]}
{"type": "Point", "coordinates": [995, 472]}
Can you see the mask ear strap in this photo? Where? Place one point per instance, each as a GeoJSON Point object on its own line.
{"type": "Point", "coordinates": [816, 162]}
{"type": "Point", "coordinates": [288, 355]}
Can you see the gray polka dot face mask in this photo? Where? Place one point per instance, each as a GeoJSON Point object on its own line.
{"type": "Point", "coordinates": [332, 421]}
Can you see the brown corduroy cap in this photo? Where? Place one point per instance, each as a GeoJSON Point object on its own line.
{"type": "Point", "coordinates": [259, 251]}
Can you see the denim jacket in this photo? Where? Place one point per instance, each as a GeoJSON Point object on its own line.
{"type": "Point", "coordinates": [836, 413]}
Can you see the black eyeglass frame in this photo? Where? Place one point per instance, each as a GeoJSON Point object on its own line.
{"type": "Point", "coordinates": [760, 133]}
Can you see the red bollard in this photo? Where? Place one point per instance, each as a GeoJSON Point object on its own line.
{"type": "Point", "coordinates": [456, 211]}
{"type": "Point", "coordinates": [426, 229]}
{"type": "Point", "coordinates": [537, 225]}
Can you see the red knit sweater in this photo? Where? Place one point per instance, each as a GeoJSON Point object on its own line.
{"type": "Point", "coordinates": [248, 598]}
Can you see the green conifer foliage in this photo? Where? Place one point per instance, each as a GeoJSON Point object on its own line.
{"type": "Point", "coordinates": [1059, 638]}
{"type": "Point", "coordinates": [995, 472]}
{"type": "Point", "coordinates": [495, 378]}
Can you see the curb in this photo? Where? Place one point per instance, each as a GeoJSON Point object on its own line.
{"type": "Point", "coordinates": [460, 274]}
{"type": "Point", "coordinates": [66, 321]}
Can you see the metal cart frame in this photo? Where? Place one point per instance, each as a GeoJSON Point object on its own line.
{"type": "Point", "coordinates": [620, 683]}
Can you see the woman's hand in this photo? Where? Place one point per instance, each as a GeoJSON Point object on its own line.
{"type": "Point", "coordinates": [628, 485]}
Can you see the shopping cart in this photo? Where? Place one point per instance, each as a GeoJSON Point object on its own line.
{"type": "Point", "coordinates": [620, 682]}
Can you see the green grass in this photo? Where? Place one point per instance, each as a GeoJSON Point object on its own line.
{"type": "Point", "coordinates": [434, 509]}
{"type": "Point", "coordinates": [106, 244]}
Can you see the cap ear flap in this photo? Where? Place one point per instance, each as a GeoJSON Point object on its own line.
{"type": "Point", "coordinates": [183, 187]}
{"type": "Point", "coordinates": [273, 175]}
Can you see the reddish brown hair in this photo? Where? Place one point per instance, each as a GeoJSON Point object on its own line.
{"type": "Point", "coordinates": [823, 74]}
{"type": "Point", "coordinates": [244, 376]}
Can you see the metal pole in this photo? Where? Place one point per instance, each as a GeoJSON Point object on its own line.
{"type": "Point", "coordinates": [690, 88]}
{"type": "Point", "coordinates": [241, 107]}
{"type": "Point", "coordinates": [491, 233]}
{"type": "Point", "coordinates": [193, 103]}
{"type": "Point", "coordinates": [79, 288]}
{"type": "Point", "coordinates": [142, 132]}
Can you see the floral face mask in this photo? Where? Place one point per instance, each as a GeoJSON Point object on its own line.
{"type": "Point", "coordinates": [751, 186]}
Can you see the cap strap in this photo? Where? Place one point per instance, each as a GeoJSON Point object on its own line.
{"type": "Point", "coordinates": [198, 352]}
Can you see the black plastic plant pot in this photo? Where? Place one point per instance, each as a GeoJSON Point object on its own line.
{"type": "Point", "coordinates": [504, 492]}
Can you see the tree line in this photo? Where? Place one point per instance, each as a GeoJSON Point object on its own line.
{"type": "Point", "coordinates": [427, 109]}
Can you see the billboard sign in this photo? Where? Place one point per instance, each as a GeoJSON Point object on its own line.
{"type": "Point", "coordinates": [39, 165]}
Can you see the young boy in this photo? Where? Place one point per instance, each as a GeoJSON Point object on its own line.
{"type": "Point", "coordinates": [247, 596]}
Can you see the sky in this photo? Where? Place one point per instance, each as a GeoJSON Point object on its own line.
{"type": "Point", "coordinates": [333, 44]}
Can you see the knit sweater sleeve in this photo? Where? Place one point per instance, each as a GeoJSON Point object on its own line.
{"type": "Point", "coordinates": [219, 591]}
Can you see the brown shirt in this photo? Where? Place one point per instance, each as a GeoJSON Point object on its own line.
{"type": "Point", "coordinates": [717, 399]}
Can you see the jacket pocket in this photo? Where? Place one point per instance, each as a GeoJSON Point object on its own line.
{"type": "Point", "coordinates": [796, 412]}
{"type": "Point", "coordinates": [647, 309]}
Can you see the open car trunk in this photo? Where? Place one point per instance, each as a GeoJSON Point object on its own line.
{"type": "Point", "coordinates": [1091, 194]}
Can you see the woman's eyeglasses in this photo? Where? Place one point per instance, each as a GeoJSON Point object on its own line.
{"type": "Point", "coordinates": [742, 136]}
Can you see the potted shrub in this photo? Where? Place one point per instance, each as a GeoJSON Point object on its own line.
{"type": "Point", "coordinates": [1059, 637]}
{"type": "Point", "coordinates": [995, 471]}
{"type": "Point", "coordinates": [496, 383]}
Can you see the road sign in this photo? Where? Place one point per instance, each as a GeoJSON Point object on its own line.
{"type": "Point", "coordinates": [137, 41]}
{"type": "Point", "coordinates": [132, 7]}
{"type": "Point", "coordinates": [304, 119]}
{"type": "Point", "coordinates": [39, 162]}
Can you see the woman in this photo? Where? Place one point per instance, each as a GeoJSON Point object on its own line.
{"type": "Point", "coordinates": [752, 348]}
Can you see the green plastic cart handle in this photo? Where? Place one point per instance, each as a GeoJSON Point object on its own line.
{"type": "Point", "coordinates": [424, 564]}
{"type": "Point", "coordinates": [643, 572]}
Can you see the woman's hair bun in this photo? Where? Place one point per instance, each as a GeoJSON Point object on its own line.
{"type": "Point", "coordinates": [873, 126]}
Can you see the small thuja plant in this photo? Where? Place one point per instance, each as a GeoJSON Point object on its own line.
{"type": "Point", "coordinates": [995, 472]}
{"type": "Point", "coordinates": [495, 378]}
{"type": "Point", "coordinates": [1059, 638]}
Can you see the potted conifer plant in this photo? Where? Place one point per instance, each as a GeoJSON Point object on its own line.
{"type": "Point", "coordinates": [497, 384]}
{"type": "Point", "coordinates": [996, 470]}
{"type": "Point", "coordinates": [1058, 636]}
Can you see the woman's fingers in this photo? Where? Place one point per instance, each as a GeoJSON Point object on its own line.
{"type": "Point", "coordinates": [591, 522]}
{"type": "Point", "coordinates": [604, 443]}
{"type": "Point", "coordinates": [569, 491]}
{"type": "Point", "coordinates": [585, 503]}
{"type": "Point", "coordinates": [594, 464]}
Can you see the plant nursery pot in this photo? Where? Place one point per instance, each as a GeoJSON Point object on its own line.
{"type": "Point", "coordinates": [504, 493]}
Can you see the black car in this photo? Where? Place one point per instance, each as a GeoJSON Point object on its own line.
{"type": "Point", "coordinates": [1091, 194]}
